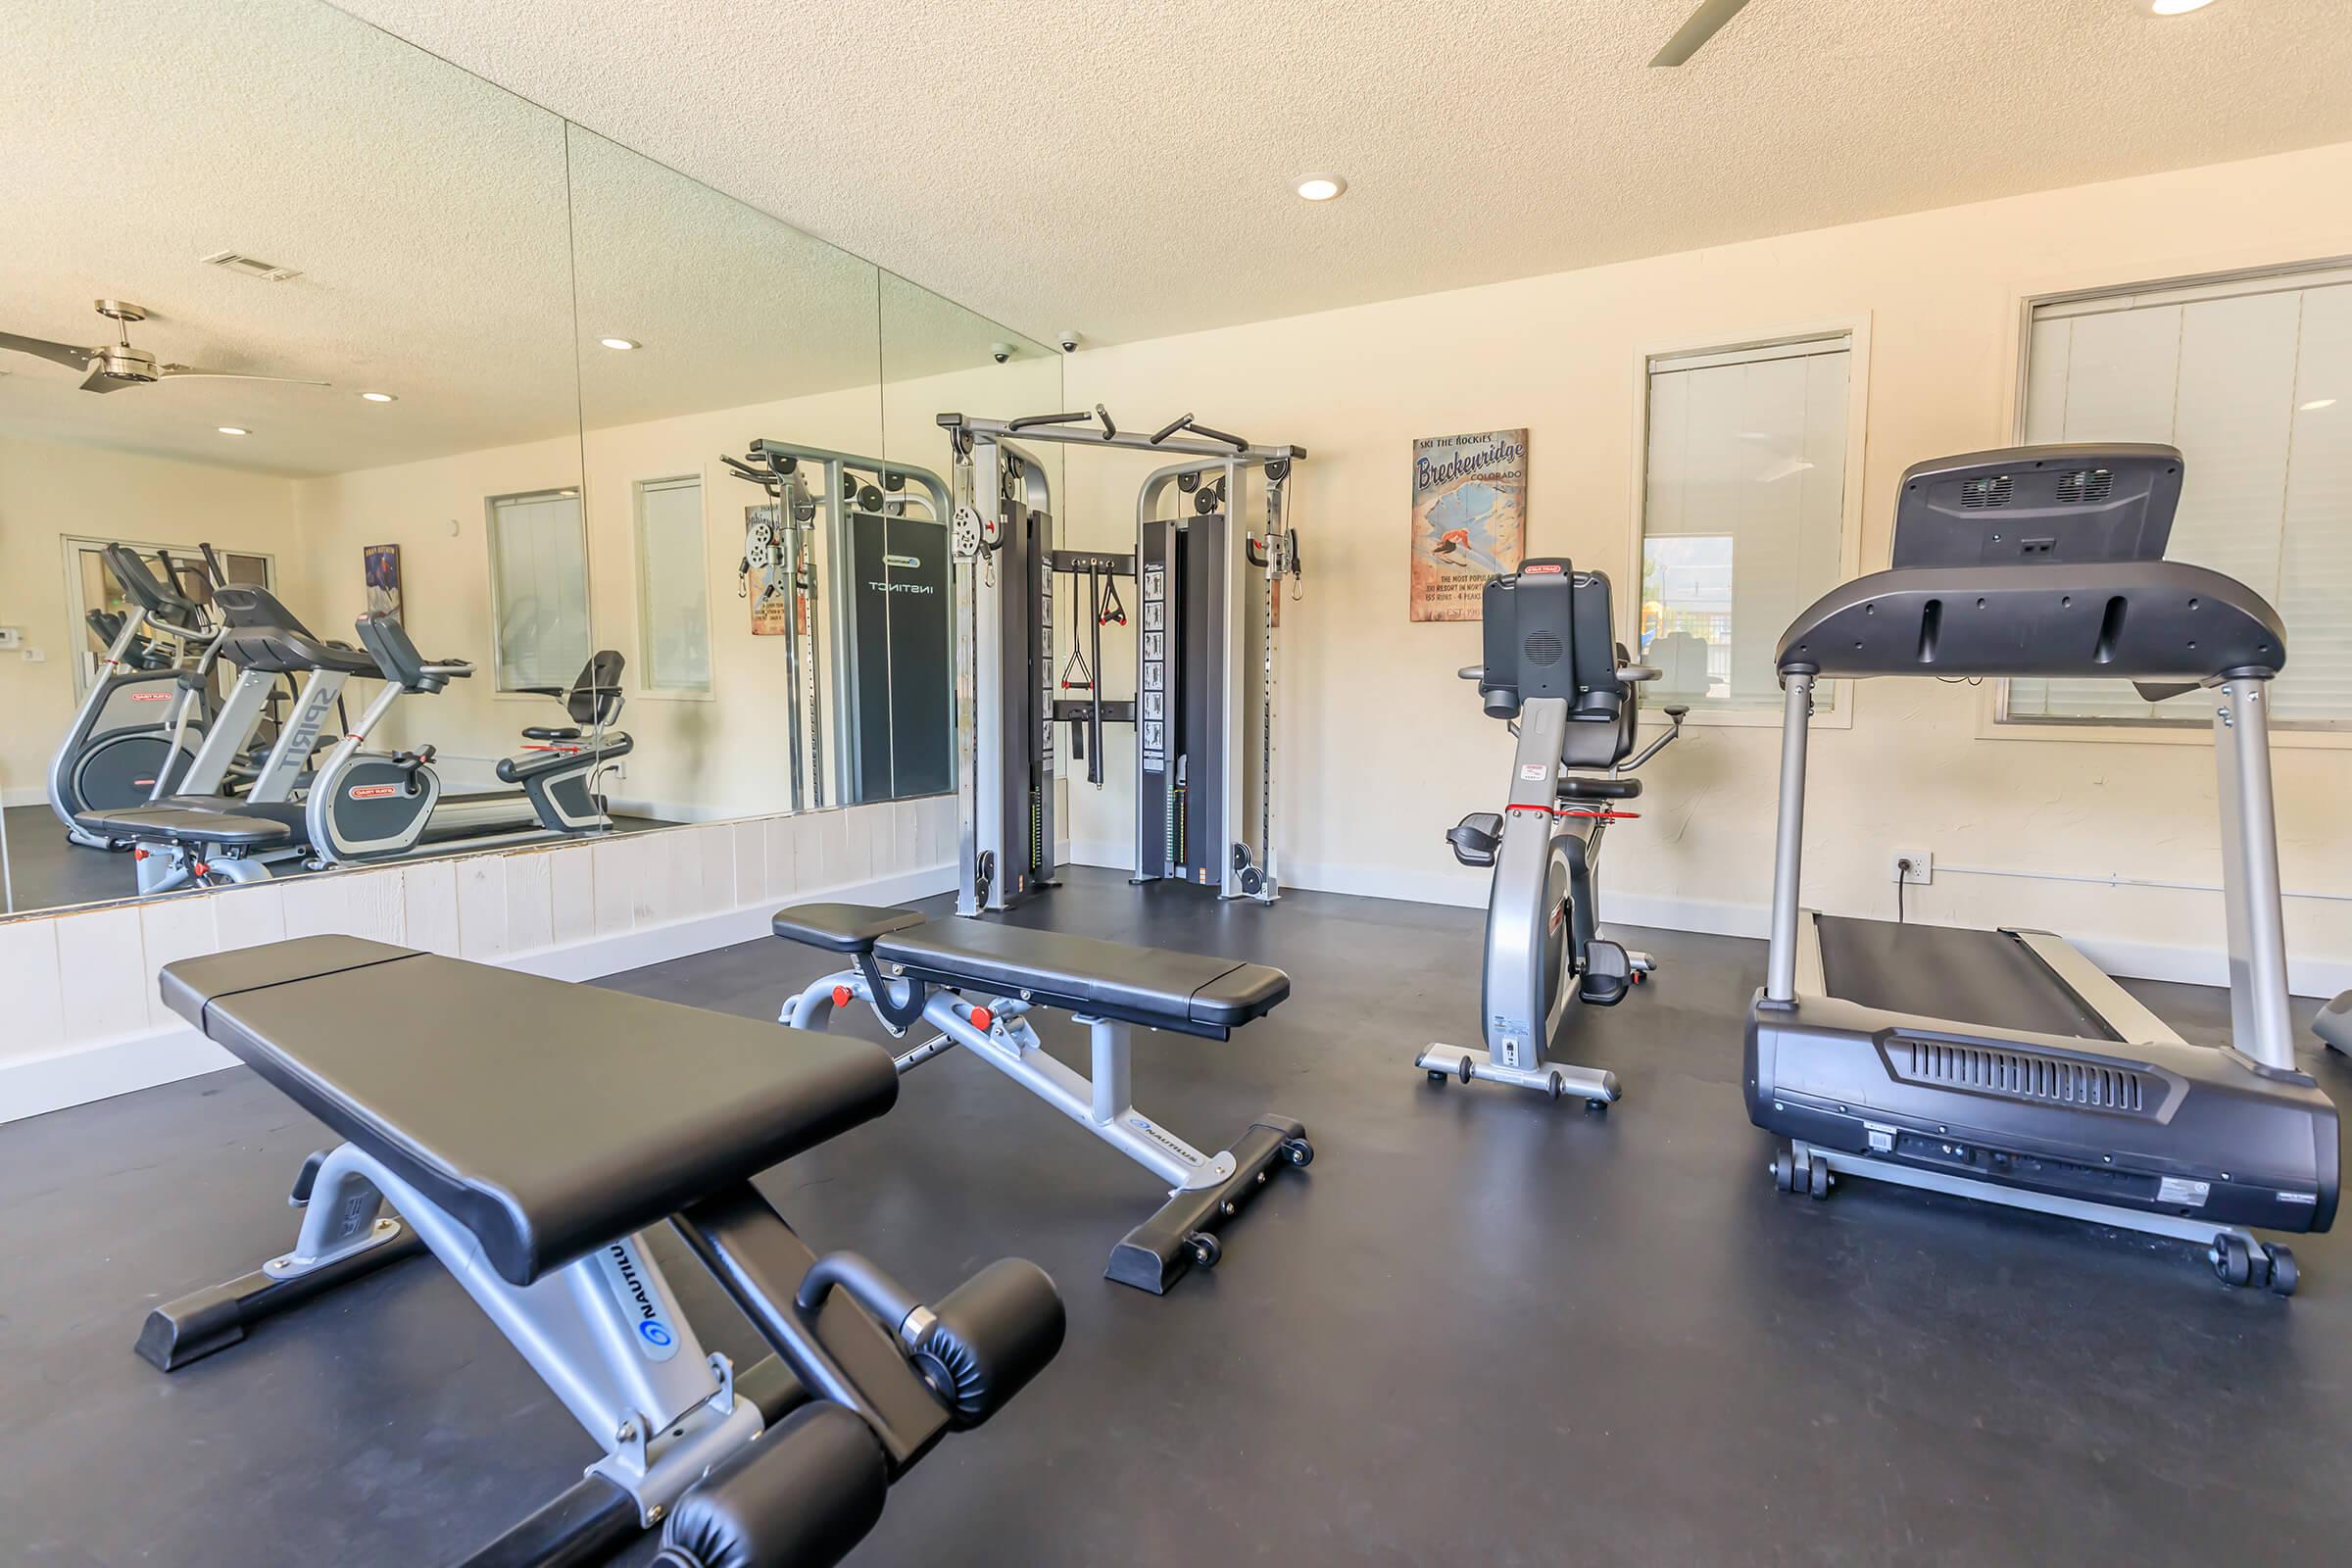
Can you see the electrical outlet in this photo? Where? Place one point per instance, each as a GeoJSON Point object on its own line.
{"type": "Point", "coordinates": [1920, 870]}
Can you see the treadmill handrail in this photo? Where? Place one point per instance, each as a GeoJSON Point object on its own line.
{"type": "Point", "coordinates": [2153, 620]}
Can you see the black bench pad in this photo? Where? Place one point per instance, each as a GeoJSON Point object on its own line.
{"type": "Point", "coordinates": [842, 927]}
{"type": "Point", "coordinates": [179, 826]}
{"type": "Point", "coordinates": [548, 1118]}
{"type": "Point", "coordinates": [1186, 992]}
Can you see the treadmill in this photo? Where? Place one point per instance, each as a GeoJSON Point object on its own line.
{"type": "Point", "coordinates": [2004, 1065]}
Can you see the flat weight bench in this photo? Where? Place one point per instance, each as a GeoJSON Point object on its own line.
{"type": "Point", "coordinates": [907, 969]}
{"type": "Point", "coordinates": [526, 1131]}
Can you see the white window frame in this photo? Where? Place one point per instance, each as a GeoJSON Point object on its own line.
{"type": "Point", "coordinates": [1992, 721]}
{"type": "Point", "coordinates": [1855, 329]}
{"type": "Point", "coordinates": [71, 547]}
{"type": "Point", "coordinates": [499, 693]}
{"type": "Point", "coordinates": [645, 685]}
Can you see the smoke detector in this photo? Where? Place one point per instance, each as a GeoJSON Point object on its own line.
{"type": "Point", "coordinates": [252, 266]}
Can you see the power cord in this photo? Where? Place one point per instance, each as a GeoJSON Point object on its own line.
{"type": "Point", "coordinates": [1902, 874]}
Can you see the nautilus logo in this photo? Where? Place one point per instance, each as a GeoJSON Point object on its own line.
{"type": "Point", "coordinates": [625, 1273]}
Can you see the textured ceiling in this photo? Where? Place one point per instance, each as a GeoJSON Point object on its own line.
{"type": "Point", "coordinates": [427, 211]}
{"type": "Point", "coordinates": [1125, 168]}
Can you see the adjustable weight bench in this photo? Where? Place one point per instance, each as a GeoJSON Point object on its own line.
{"type": "Point", "coordinates": [526, 1131]}
{"type": "Point", "coordinates": [907, 969]}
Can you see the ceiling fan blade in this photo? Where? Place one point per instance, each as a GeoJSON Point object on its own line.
{"type": "Point", "coordinates": [190, 372]}
{"type": "Point", "coordinates": [65, 354]}
{"type": "Point", "coordinates": [99, 381]}
{"type": "Point", "coordinates": [1693, 35]}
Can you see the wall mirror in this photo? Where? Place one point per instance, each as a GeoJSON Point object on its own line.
{"type": "Point", "coordinates": [285, 287]}
{"type": "Point", "coordinates": [937, 357]}
{"type": "Point", "coordinates": [730, 421]}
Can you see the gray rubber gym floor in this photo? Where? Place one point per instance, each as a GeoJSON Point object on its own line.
{"type": "Point", "coordinates": [1480, 1329]}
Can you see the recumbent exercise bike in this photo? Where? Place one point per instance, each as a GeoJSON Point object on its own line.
{"type": "Point", "coordinates": [1556, 673]}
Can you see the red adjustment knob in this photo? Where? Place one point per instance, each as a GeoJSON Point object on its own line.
{"type": "Point", "coordinates": [138, 855]}
{"type": "Point", "coordinates": [983, 1019]}
{"type": "Point", "coordinates": [841, 996]}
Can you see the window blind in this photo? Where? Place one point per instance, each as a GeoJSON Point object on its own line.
{"type": "Point", "coordinates": [673, 588]}
{"type": "Point", "coordinates": [539, 589]}
{"type": "Point", "coordinates": [2251, 378]}
{"type": "Point", "coordinates": [1742, 513]}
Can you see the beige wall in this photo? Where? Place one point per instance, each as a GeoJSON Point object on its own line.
{"type": "Point", "coordinates": [1384, 749]}
{"type": "Point", "coordinates": [49, 491]}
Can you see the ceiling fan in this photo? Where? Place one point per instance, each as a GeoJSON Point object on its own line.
{"type": "Point", "coordinates": [112, 366]}
{"type": "Point", "coordinates": [1691, 36]}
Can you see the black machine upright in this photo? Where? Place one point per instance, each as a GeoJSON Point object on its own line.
{"type": "Point", "coordinates": [2004, 1065]}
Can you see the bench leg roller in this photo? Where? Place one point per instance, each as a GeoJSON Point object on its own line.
{"type": "Point", "coordinates": [992, 1334]}
{"type": "Point", "coordinates": [804, 1495]}
{"type": "Point", "coordinates": [1156, 1254]}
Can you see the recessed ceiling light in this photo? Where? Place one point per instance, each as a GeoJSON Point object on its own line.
{"type": "Point", "coordinates": [232, 429]}
{"type": "Point", "coordinates": [380, 396]}
{"type": "Point", "coordinates": [2177, 7]}
{"type": "Point", "coordinates": [1320, 187]}
{"type": "Point", "coordinates": [624, 344]}
{"type": "Point", "coordinates": [2317, 404]}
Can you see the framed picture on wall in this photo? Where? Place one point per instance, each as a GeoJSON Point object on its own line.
{"type": "Point", "coordinates": [1469, 520]}
{"type": "Point", "coordinates": [383, 579]}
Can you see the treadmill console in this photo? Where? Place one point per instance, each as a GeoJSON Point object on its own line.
{"type": "Point", "coordinates": [2069, 504]}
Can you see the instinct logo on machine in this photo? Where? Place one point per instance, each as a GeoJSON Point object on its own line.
{"type": "Point", "coordinates": [625, 1271]}
{"type": "Point", "coordinates": [372, 792]}
{"type": "Point", "coordinates": [153, 697]}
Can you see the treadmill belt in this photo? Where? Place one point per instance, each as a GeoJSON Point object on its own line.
{"type": "Point", "coordinates": [1941, 971]}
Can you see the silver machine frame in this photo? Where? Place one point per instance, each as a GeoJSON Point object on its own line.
{"type": "Point", "coordinates": [824, 508]}
{"type": "Point", "coordinates": [193, 649]}
{"type": "Point", "coordinates": [1001, 491]}
{"type": "Point", "coordinates": [1536, 834]}
{"type": "Point", "coordinates": [663, 1413]}
{"type": "Point", "coordinates": [1103, 1105]}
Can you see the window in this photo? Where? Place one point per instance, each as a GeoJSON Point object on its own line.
{"type": "Point", "coordinates": [1742, 513]}
{"type": "Point", "coordinates": [2251, 378]}
{"type": "Point", "coordinates": [539, 588]}
{"type": "Point", "coordinates": [673, 587]}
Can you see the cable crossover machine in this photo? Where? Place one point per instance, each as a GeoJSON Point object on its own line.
{"type": "Point", "coordinates": [1204, 617]}
{"type": "Point", "coordinates": [875, 532]}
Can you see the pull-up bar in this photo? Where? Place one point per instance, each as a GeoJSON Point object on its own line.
{"type": "Point", "coordinates": [1096, 428]}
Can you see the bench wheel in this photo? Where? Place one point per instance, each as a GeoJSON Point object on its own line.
{"type": "Point", "coordinates": [2285, 1276]}
{"type": "Point", "coordinates": [1784, 1171]}
{"type": "Point", "coordinates": [1204, 1249]}
{"type": "Point", "coordinates": [1437, 1075]}
{"type": "Point", "coordinates": [2233, 1259]}
{"type": "Point", "coordinates": [1299, 1152]}
{"type": "Point", "coordinates": [1817, 1178]}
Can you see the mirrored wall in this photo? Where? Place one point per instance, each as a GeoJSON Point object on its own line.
{"type": "Point", "coordinates": [343, 394]}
